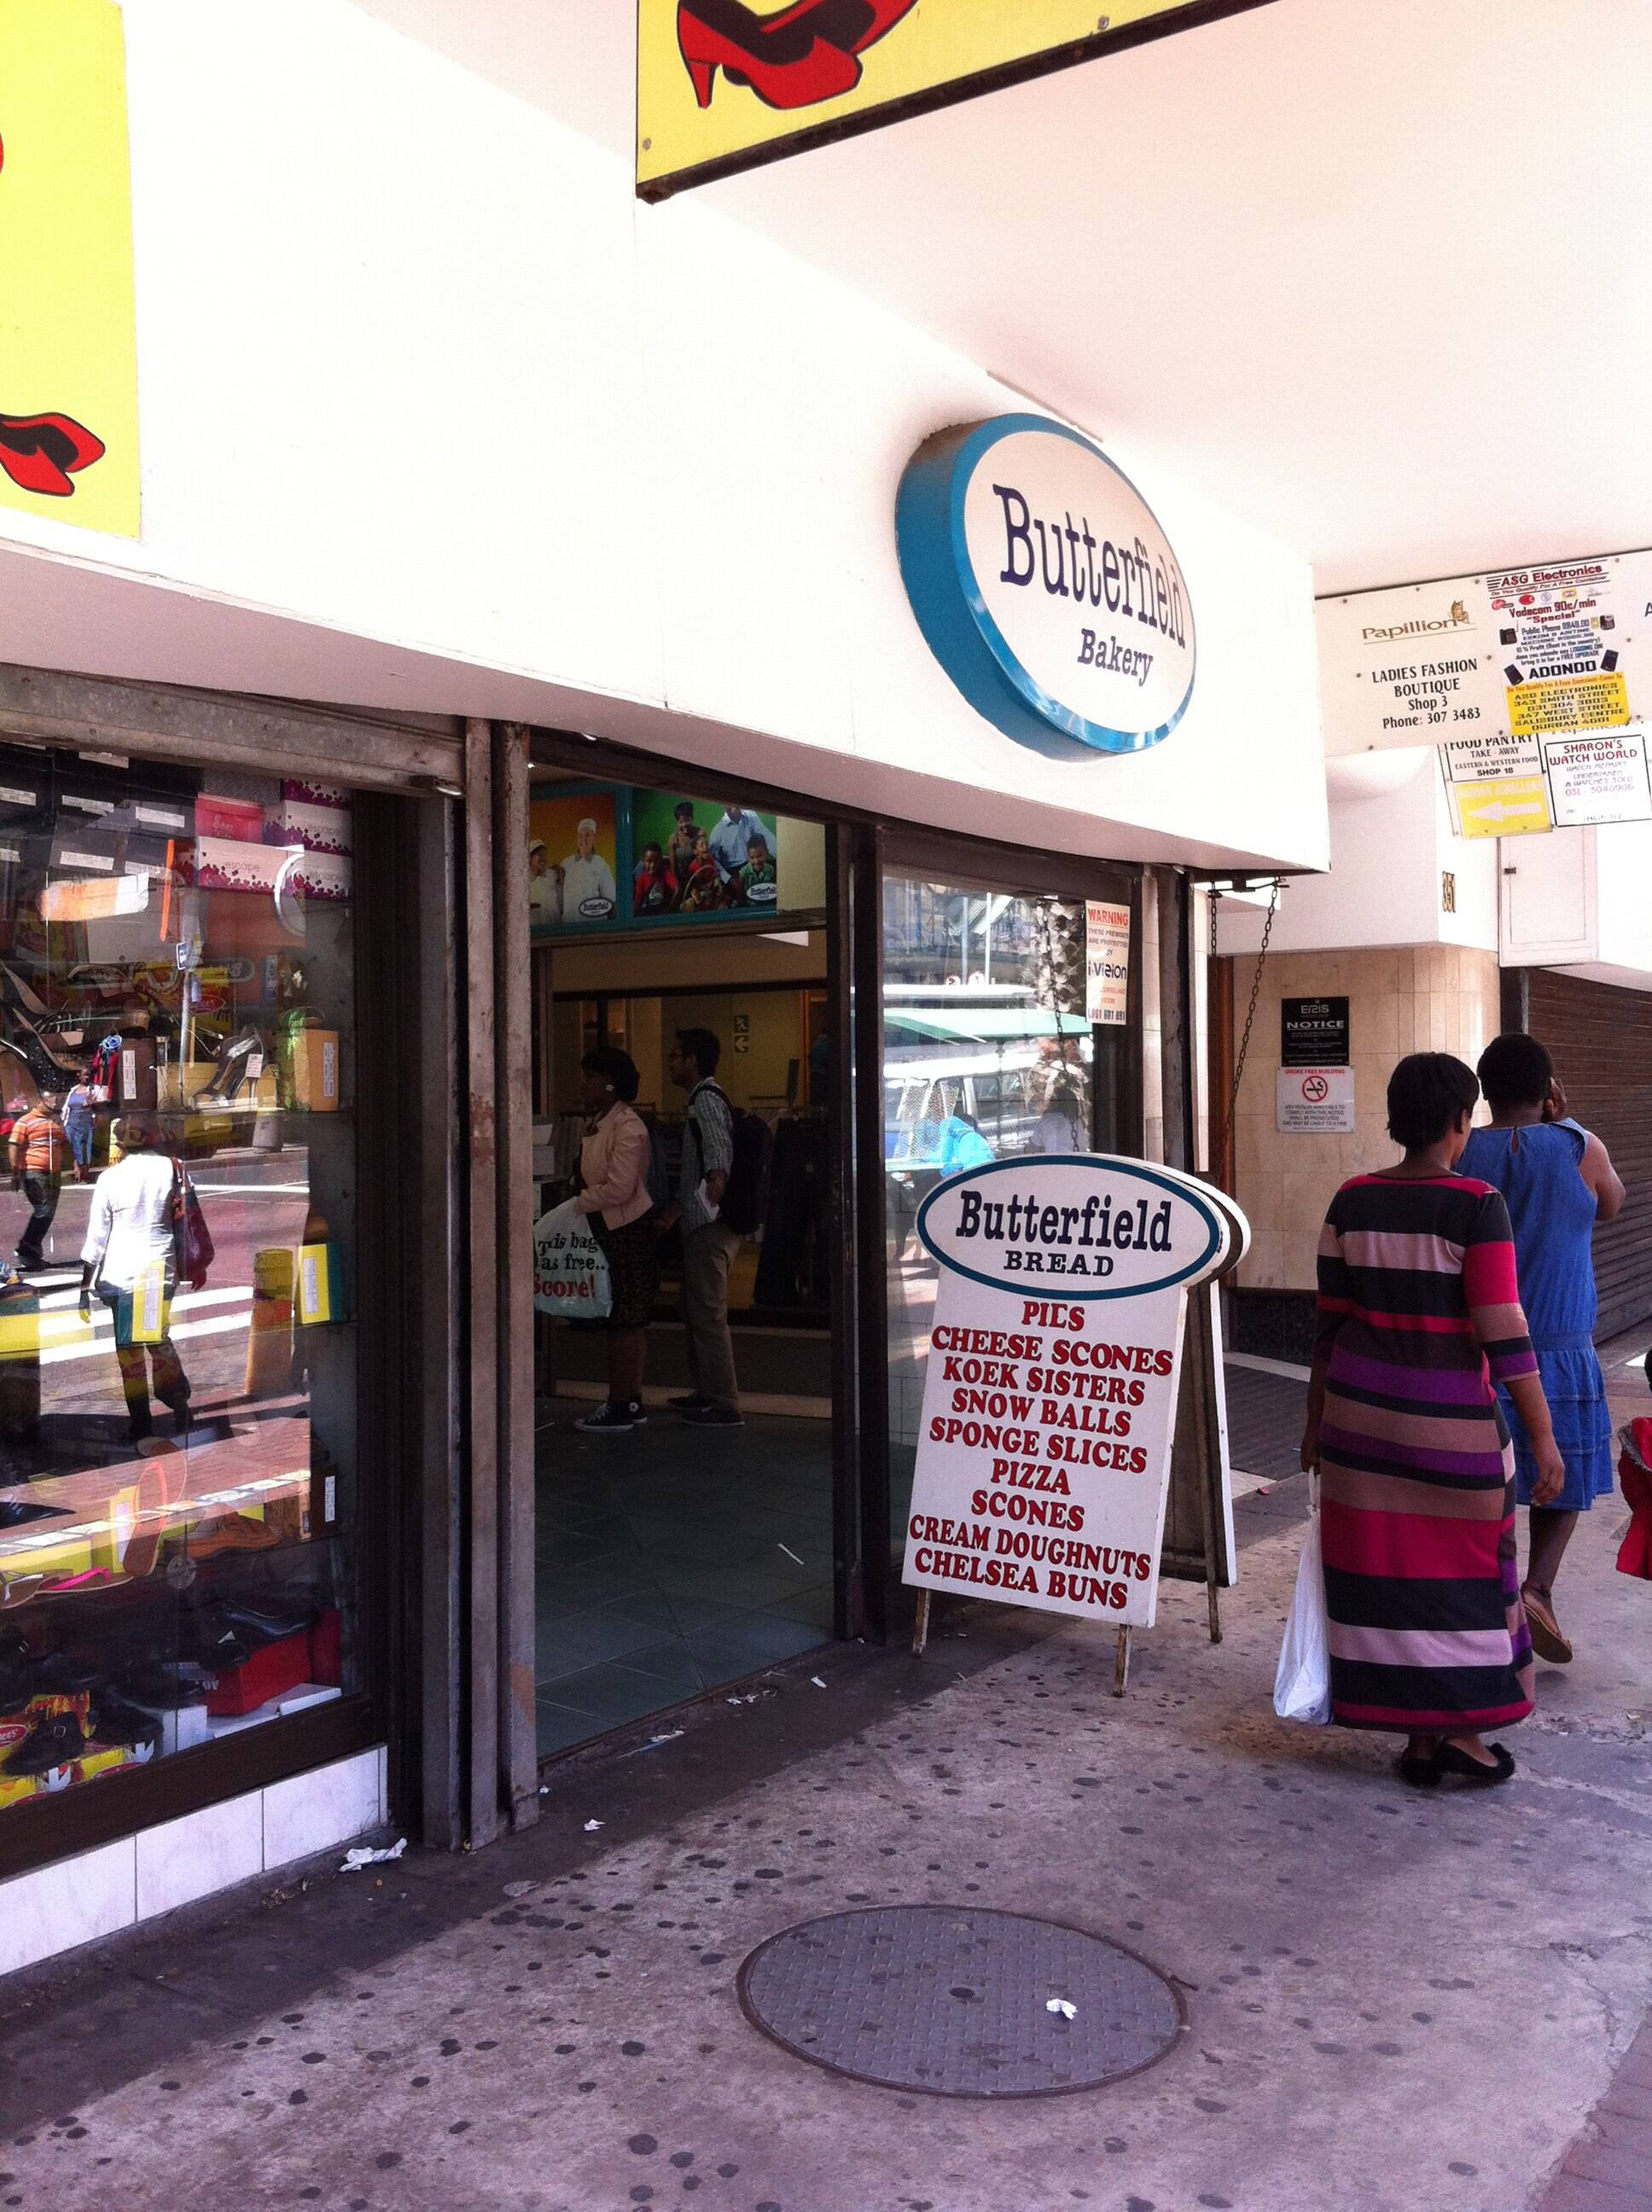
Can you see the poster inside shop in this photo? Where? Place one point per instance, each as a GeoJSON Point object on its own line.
{"type": "Point", "coordinates": [1107, 964]}
{"type": "Point", "coordinates": [723, 87]}
{"type": "Point", "coordinates": [1050, 1390]}
{"type": "Point", "coordinates": [1538, 652]}
{"type": "Point", "coordinates": [605, 857]}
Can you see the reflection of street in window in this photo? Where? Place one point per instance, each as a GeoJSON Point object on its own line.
{"type": "Point", "coordinates": [176, 1049]}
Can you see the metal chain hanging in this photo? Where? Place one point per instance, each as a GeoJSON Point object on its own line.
{"type": "Point", "coordinates": [1220, 1150]}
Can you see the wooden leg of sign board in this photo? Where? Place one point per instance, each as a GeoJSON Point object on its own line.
{"type": "Point", "coordinates": [1121, 1663]}
{"type": "Point", "coordinates": [920, 1625]}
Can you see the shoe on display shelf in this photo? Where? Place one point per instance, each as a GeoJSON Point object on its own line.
{"type": "Point", "coordinates": [56, 1740]}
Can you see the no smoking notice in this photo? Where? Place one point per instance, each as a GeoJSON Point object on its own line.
{"type": "Point", "coordinates": [1314, 1102]}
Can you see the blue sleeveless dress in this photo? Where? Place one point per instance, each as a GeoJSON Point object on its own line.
{"type": "Point", "coordinates": [1552, 1210]}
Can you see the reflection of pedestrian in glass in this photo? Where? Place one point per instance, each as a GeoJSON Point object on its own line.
{"type": "Point", "coordinates": [1060, 1126]}
{"type": "Point", "coordinates": [39, 1153]}
{"type": "Point", "coordinates": [614, 1164]}
{"type": "Point", "coordinates": [963, 1145]}
{"type": "Point", "coordinates": [588, 893]}
{"type": "Point", "coordinates": [130, 1239]}
{"type": "Point", "coordinates": [79, 1121]}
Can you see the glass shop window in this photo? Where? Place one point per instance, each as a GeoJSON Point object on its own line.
{"type": "Point", "coordinates": [177, 1360]}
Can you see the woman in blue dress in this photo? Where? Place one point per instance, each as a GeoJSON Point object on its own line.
{"type": "Point", "coordinates": [1558, 1182]}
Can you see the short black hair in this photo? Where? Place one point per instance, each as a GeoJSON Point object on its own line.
{"type": "Point", "coordinates": [701, 1047]}
{"type": "Point", "coordinates": [615, 1067]}
{"type": "Point", "coordinates": [1516, 1070]}
{"type": "Point", "coordinates": [683, 806]}
{"type": "Point", "coordinates": [1427, 1092]}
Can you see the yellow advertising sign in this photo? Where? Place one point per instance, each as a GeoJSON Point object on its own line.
{"type": "Point", "coordinates": [68, 336]}
{"type": "Point", "coordinates": [722, 86]}
{"type": "Point", "coordinates": [1567, 704]}
{"type": "Point", "coordinates": [1504, 807]}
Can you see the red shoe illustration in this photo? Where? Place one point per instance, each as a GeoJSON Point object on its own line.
{"type": "Point", "coordinates": [804, 54]}
{"type": "Point", "coordinates": [43, 453]}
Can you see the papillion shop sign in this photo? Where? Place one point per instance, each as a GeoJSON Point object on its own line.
{"type": "Point", "coordinates": [1045, 586]}
{"type": "Point", "coordinates": [1050, 1402]}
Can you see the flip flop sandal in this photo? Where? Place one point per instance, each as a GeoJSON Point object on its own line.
{"type": "Point", "coordinates": [1449, 1760]}
{"type": "Point", "coordinates": [1547, 1641]}
{"type": "Point", "coordinates": [1420, 1770]}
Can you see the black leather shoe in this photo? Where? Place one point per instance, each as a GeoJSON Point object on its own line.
{"type": "Point", "coordinates": [113, 1720]}
{"type": "Point", "coordinates": [57, 1739]}
{"type": "Point", "coordinates": [165, 1684]}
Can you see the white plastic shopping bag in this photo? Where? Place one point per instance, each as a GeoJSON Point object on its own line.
{"type": "Point", "coordinates": [570, 1271]}
{"type": "Point", "coordinates": [1301, 1686]}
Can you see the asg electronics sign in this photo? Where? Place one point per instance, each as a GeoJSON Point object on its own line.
{"type": "Point", "coordinates": [1050, 1394]}
{"type": "Point", "coordinates": [1045, 587]}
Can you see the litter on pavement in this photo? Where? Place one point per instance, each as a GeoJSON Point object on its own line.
{"type": "Point", "coordinates": [363, 1856]}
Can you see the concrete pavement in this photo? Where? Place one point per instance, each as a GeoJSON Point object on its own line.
{"type": "Point", "coordinates": [1399, 2002]}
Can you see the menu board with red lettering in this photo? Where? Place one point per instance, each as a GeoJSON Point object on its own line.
{"type": "Point", "coordinates": [1050, 1395]}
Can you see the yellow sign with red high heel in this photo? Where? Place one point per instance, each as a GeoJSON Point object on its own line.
{"type": "Point", "coordinates": [722, 86]}
{"type": "Point", "coordinates": [68, 330]}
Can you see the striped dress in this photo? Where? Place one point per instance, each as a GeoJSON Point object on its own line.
{"type": "Point", "coordinates": [1419, 1315]}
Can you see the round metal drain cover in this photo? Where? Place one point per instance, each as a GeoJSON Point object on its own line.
{"type": "Point", "coordinates": [955, 2001]}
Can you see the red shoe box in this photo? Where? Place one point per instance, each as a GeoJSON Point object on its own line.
{"type": "Point", "coordinates": [327, 1649]}
{"type": "Point", "coordinates": [314, 1655]}
{"type": "Point", "coordinates": [268, 1674]}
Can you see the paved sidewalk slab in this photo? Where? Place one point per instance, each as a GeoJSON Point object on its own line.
{"type": "Point", "coordinates": [1398, 2002]}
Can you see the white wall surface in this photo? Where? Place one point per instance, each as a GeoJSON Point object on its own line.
{"type": "Point", "coordinates": [1391, 840]}
{"type": "Point", "coordinates": [434, 416]}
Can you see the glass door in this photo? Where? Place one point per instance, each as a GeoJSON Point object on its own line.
{"type": "Point", "coordinates": [987, 1055]}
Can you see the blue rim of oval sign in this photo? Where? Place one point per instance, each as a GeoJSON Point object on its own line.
{"type": "Point", "coordinates": [951, 611]}
{"type": "Point", "coordinates": [1058, 1286]}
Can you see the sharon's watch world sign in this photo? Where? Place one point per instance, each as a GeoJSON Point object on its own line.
{"type": "Point", "coordinates": [1045, 586]}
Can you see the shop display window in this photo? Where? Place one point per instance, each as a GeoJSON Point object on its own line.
{"type": "Point", "coordinates": [177, 1353]}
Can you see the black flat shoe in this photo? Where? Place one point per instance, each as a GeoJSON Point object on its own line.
{"type": "Point", "coordinates": [1449, 1760]}
{"type": "Point", "coordinates": [113, 1720]}
{"type": "Point", "coordinates": [1422, 1773]}
{"type": "Point", "coordinates": [56, 1740]}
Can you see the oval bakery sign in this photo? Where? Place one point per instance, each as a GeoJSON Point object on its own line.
{"type": "Point", "coordinates": [1045, 586]}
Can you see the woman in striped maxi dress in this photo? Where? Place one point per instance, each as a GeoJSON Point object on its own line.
{"type": "Point", "coordinates": [1420, 1315]}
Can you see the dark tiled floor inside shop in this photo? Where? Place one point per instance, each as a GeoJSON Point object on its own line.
{"type": "Point", "coordinates": [673, 1561]}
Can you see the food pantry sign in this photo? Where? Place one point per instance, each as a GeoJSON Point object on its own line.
{"type": "Point", "coordinates": [1049, 1401]}
{"type": "Point", "coordinates": [1045, 586]}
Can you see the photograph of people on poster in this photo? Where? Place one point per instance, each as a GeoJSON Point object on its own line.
{"type": "Point", "coordinates": [701, 855]}
{"type": "Point", "coordinates": [573, 859]}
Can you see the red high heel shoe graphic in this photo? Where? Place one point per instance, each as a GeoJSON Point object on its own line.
{"type": "Point", "coordinates": [806, 53]}
{"type": "Point", "coordinates": [43, 453]}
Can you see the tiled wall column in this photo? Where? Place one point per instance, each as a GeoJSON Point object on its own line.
{"type": "Point", "coordinates": [1431, 998]}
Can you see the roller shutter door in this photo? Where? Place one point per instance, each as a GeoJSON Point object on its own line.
{"type": "Point", "coordinates": [1601, 1040]}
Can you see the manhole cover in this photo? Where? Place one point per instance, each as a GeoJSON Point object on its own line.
{"type": "Point", "coordinates": [955, 2000]}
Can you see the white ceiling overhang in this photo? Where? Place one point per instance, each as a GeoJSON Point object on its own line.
{"type": "Point", "coordinates": [1377, 277]}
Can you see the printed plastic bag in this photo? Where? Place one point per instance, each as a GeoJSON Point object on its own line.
{"type": "Point", "coordinates": [1301, 1686]}
{"type": "Point", "coordinates": [570, 1271]}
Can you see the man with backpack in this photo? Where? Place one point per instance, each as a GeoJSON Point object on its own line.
{"type": "Point", "coordinates": [717, 1198]}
